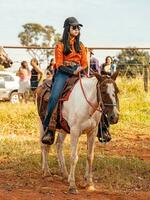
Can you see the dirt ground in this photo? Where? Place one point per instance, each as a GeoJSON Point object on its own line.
{"type": "Point", "coordinates": [31, 186]}
{"type": "Point", "coordinates": [137, 145]}
{"type": "Point", "coordinates": [37, 188]}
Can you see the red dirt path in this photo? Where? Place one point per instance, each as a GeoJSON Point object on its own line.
{"type": "Point", "coordinates": [34, 187]}
{"type": "Point", "coordinates": [46, 189]}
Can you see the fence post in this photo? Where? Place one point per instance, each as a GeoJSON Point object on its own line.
{"type": "Point", "coordinates": [145, 77]}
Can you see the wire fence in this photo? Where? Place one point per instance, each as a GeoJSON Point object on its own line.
{"type": "Point", "coordinates": [20, 53]}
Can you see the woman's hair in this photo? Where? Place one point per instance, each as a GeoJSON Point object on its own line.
{"type": "Point", "coordinates": [35, 60]}
{"type": "Point", "coordinates": [24, 65]}
{"type": "Point", "coordinates": [65, 40]}
{"type": "Point", "coordinates": [107, 58]}
{"type": "Point", "coordinates": [51, 61]}
{"type": "Point", "coordinates": [50, 64]}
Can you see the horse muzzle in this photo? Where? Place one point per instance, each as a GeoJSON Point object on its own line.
{"type": "Point", "coordinates": [113, 118]}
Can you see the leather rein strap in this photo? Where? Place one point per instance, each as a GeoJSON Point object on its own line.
{"type": "Point", "coordinates": [95, 108]}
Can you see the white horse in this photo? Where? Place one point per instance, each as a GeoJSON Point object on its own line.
{"type": "Point", "coordinates": [4, 58]}
{"type": "Point", "coordinates": [83, 115]}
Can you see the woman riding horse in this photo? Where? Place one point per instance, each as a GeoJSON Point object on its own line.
{"type": "Point", "coordinates": [71, 58]}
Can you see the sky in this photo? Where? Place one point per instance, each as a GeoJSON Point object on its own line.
{"type": "Point", "coordinates": [106, 23]}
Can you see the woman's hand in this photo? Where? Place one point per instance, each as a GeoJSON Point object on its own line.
{"type": "Point", "coordinates": [76, 72]}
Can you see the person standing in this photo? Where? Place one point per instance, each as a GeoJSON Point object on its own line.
{"type": "Point", "coordinates": [24, 81]}
{"type": "Point", "coordinates": [50, 67]}
{"type": "Point", "coordinates": [108, 67]}
{"type": "Point", "coordinates": [36, 74]}
{"type": "Point", "coordinates": [94, 63]}
{"type": "Point", "coordinates": [70, 58]}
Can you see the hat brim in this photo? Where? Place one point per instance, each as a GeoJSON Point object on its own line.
{"type": "Point", "coordinates": [76, 24]}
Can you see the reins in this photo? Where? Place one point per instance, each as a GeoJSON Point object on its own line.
{"type": "Point", "coordinates": [97, 109]}
{"type": "Point", "coordinates": [101, 109]}
{"type": "Point", "coordinates": [102, 104]}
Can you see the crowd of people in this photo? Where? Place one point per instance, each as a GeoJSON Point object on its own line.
{"type": "Point", "coordinates": [108, 67]}
{"type": "Point", "coordinates": [30, 79]}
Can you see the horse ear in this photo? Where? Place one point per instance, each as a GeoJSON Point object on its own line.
{"type": "Point", "coordinates": [114, 76]}
{"type": "Point", "coordinates": [97, 75]}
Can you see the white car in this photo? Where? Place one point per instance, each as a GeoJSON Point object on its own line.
{"type": "Point", "coordinates": [9, 85]}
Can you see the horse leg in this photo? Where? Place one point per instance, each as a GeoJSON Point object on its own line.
{"type": "Point", "coordinates": [74, 137]}
{"type": "Point", "coordinates": [90, 156]}
{"type": "Point", "coordinates": [45, 168]}
{"type": "Point", "coordinates": [60, 154]}
{"type": "Point", "coordinates": [44, 152]}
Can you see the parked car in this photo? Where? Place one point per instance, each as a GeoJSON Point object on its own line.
{"type": "Point", "coordinates": [9, 85]}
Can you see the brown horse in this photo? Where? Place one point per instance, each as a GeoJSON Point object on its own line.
{"type": "Point", "coordinates": [4, 58]}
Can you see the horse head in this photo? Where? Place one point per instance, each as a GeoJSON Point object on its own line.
{"type": "Point", "coordinates": [109, 95]}
{"type": "Point", "coordinates": [4, 59]}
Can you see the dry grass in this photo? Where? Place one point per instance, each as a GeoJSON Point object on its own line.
{"type": "Point", "coordinates": [114, 166]}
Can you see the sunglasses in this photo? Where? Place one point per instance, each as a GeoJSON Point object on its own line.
{"type": "Point", "coordinates": [75, 27]}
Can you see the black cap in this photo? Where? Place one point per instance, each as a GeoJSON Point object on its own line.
{"type": "Point", "coordinates": [71, 21]}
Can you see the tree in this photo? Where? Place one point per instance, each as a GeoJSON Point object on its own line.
{"type": "Point", "coordinates": [131, 61]}
{"type": "Point", "coordinates": [39, 36]}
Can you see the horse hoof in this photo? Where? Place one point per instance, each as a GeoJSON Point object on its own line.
{"type": "Point", "coordinates": [91, 188]}
{"type": "Point", "coordinates": [73, 190]}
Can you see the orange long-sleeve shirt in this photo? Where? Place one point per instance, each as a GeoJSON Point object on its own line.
{"type": "Point", "coordinates": [79, 58]}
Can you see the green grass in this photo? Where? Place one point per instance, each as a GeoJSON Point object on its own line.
{"type": "Point", "coordinates": [134, 107]}
{"type": "Point", "coordinates": [20, 148]}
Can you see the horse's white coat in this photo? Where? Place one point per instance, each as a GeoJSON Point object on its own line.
{"type": "Point", "coordinates": [80, 117]}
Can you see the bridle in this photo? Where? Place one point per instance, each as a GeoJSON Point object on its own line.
{"type": "Point", "coordinates": [99, 97]}
{"type": "Point", "coordinates": [101, 108]}
{"type": "Point", "coordinates": [110, 104]}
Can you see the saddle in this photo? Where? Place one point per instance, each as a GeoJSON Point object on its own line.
{"type": "Point", "coordinates": [57, 121]}
{"type": "Point", "coordinates": [43, 94]}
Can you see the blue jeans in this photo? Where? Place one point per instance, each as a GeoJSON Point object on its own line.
{"type": "Point", "coordinates": [57, 88]}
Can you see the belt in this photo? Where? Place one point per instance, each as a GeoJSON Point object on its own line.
{"type": "Point", "coordinates": [70, 63]}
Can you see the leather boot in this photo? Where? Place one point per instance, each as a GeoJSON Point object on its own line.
{"type": "Point", "coordinates": [48, 137]}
